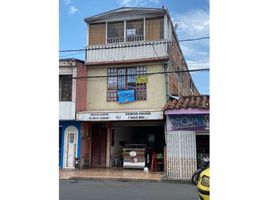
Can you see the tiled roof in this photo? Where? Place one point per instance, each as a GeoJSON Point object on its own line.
{"type": "Point", "coordinates": [185, 102]}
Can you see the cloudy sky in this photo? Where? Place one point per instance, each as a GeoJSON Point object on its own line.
{"type": "Point", "coordinates": [191, 17]}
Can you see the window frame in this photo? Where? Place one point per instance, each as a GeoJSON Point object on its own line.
{"type": "Point", "coordinates": [69, 79]}
{"type": "Point", "coordinates": [140, 89]}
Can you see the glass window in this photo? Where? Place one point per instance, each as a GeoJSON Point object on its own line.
{"type": "Point", "coordinates": [115, 32]}
{"type": "Point", "coordinates": [121, 79]}
{"type": "Point", "coordinates": [126, 80]}
{"type": "Point", "coordinates": [135, 30]}
{"type": "Point", "coordinates": [65, 90]}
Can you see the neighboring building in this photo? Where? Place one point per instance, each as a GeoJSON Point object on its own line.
{"type": "Point", "coordinates": [187, 125]}
{"type": "Point", "coordinates": [72, 99]}
{"type": "Point", "coordinates": [128, 52]}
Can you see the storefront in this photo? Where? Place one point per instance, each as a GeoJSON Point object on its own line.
{"type": "Point", "coordinates": [187, 133]}
{"type": "Point", "coordinates": [123, 139]}
{"type": "Point", "coordinates": [69, 143]}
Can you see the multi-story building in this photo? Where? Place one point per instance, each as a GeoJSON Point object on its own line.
{"type": "Point", "coordinates": [130, 54]}
{"type": "Point", "coordinates": [71, 100]}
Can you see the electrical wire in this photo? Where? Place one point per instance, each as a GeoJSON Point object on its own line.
{"type": "Point", "coordinates": [194, 39]}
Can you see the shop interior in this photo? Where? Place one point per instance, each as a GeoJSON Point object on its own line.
{"type": "Point", "coordinates": [146, 141]}
{"type": "Point", "coordinates": [202, 147]}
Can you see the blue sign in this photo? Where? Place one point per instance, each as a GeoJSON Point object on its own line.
{"type": "Point", "coordinates": [187, 122]}
{"type": "Point", "coordinates": [125, 96]}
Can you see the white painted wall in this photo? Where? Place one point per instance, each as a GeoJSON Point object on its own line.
{"type": "Point", "coordinates": [66, 110]}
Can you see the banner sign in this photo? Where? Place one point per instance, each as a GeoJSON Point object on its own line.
{"type": "Point", "coordinates": [118, 116]}
{"type": "Point", "coordinates": [187, 122]}
{"type": "Point", "coordinates": [125, 96]}
{"type": "Point", "coordinates": [131, 32]}
{"type": "Point", "coordinates": [142, 79]}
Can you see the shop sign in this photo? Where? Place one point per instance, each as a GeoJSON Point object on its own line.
{"type": "Point", "coordinates": [118, 116]}
{"type": "Point", "coordinates": [125, 96]}
{"type": "Point", "coordinates": [142, 79]}
{"type": "Point", "coordinates": [187, 122]}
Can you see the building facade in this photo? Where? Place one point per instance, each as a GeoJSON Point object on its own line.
{"type": "Point", "coordinates": [130, 52]}
{"type": "Point", "coordinates": [187, 133]}
{"type": "Point", "coordinates": [71, 100]}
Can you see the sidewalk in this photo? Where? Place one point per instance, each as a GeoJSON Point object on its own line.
{"type": "Point", "coordinates": [110, 174]}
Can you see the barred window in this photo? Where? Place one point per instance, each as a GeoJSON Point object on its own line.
{"type": "Point", "coordinates": [141, 88]}
{"type": "Point", "coordinates": [112, 84]}
{"type": "Point", "coordinates": [120, 79]}
{"type": "Point", "coordinates": [65, 88]}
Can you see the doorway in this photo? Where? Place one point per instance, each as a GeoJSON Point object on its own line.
{"type": "Point", "coordinates": [99, 145]}
{"type": "Point", "coordinates": [70, 146]}
{"type": "Point", "coordinates": [202, 148]}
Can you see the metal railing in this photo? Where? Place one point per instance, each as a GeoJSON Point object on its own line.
{"type": "Point", "coordinates": [122, 39]}
{"type": "Point", "coordinates": [115, 40]}
{"type": "Point", "coordinates": [135, 38]}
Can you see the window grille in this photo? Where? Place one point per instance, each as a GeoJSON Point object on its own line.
{"type": "Point", "coordinates": [125, 79]}
{"type": "Point", "coordinates": [65, 88]}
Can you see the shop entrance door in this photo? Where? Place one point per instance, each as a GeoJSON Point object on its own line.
{"type": "Point", "coordinates": [99, 145]}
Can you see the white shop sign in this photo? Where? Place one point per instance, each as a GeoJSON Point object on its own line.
{"type": "Point", "coordinates": [117, 116]}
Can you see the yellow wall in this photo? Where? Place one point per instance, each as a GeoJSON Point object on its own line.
{"type": "Point", "coordinates": [97, 91]}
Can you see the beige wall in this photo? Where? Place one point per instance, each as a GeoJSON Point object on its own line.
{"type": "Point", "coordinates": [97, 91]}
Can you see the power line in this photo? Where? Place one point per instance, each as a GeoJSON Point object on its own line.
{"type": "Point", "coordinates": [145, 74]}
{"type": "Point", "coordinates": [194, 39]}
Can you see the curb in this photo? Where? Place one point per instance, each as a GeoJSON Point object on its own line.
{"type": "Point", "coordinates": [165, 179]}
{"type": "Point", "coordinates": [161, 180]}
{"type": "Point", "coordinates": [111, 179]}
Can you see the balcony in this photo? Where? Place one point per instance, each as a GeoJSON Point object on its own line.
{"type": "Point", "coordinates": [66, 110]}
{"type": "Point", "coordinates": [118, 51]}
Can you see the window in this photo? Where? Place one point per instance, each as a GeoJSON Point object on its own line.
{"type": "Point", "coordinates": [115, 32]}
{"type": "Point", "coordinates": [120, 79]}
{"type": "Point", "coordinates": [97, 34]}
{"type": "Point", "coordinates": [154, 29]}
{"type": "Point", "coordinates": [134, 30]}
{"type": "Point", "coordinates": [65, 90]}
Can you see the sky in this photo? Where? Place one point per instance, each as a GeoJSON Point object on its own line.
{"type": "Point", "coordinates": [191, 17]}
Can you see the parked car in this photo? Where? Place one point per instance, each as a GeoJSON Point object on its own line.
{"type": "Point", "coordinates": [203, 185]}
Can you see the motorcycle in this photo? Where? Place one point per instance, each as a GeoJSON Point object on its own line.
{"type": "Point", "coordinates": [196, 174]}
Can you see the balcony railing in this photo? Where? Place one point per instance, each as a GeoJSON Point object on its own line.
{"type": "Point", "coordinates": [133, 38]}
{"type": "Point", "coordinates": [115, 40]}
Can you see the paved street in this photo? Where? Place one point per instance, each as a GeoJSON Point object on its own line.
{"type": "Point", "coordinates": [115, 190]}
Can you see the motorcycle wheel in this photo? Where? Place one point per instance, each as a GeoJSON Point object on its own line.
{"type": "Point", "coordinates": [195, 178]}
